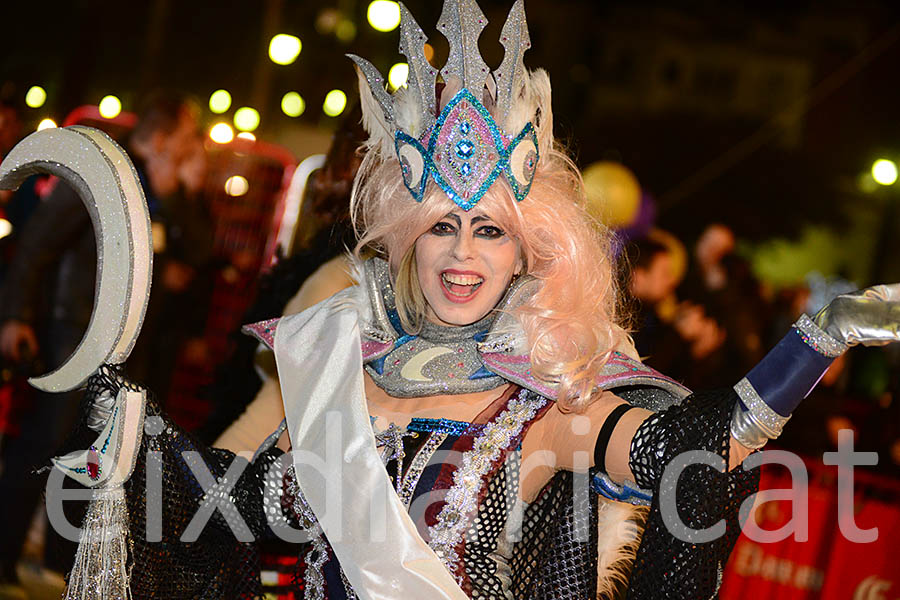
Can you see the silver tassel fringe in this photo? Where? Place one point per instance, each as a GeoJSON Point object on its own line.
{"type": "Point", "coordinates": [101, 564]}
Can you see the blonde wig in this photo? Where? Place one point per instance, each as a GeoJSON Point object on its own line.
{"type": "Point", "coordinates": [572, 322]}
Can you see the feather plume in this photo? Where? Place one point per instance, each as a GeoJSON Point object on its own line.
{"type": "Point", "coordinates": [619, 530]}
{"type": "Point", "coordinates": [531, 102]}
{"type": "Point", "coordinates": [407, 112]}
{"type": "Point", "coordinates": [381, 138]}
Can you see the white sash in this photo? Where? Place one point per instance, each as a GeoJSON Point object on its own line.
{"type": "Point", "coordinates": [321, 372]}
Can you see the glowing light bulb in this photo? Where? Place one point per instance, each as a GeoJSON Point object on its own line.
{"type": "Point", "coordinates": [35, 96]}
{"type": "Point", "coordinates": [383, 15]}
{"type": "Point", "coordinates": [219, 101]}
{"type": "Point", "coordinates": [246, 135]}
{"type": "Point", "coordinates": [335, 102]}
{"type": "Point", "coordinates": [284, 49]}
{"type": "Point", "coordinates": [221, 133]}
{"type": "Point", "coordinates": [246, 118]}
{"type": "Point", "coordinates": [398, 75]}
{"type": "Point", "coordinates": [110, 107]}
{"type": "Point", "coordinates": [46, 124]}
{"type": "Point", "coordinates": [5, 228]}
{"type": "Point", "coordinates": [884, 171]}
{"type": "Point", "coordinates": [236, 185]}
{"type": "Point", "coordinates": [292, 104]}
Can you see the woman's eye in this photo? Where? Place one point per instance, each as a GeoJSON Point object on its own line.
{"type": "Point", "coordinates": [442, 228]}
{"type": "Point", "coordinates": [489, 231]}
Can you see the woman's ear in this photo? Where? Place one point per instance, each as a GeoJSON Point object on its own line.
{"type": "Point", "coordinates": [520, 265]}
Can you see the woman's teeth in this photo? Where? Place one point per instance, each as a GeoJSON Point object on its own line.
{"type": "Point", "coordinates": [461, 285]}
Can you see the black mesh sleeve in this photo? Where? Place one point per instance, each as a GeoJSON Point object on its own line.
{"type": "Point", "coordinates": [216, 564]}
{"type": "Point", "coordinates": [666, 566]}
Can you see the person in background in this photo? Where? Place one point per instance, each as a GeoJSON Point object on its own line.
{"type": "Point", "coordinates": [46, 304]}
{"type": "Point", "coordinates": [317, 269]}
{"type": "Point", "coordinates": [674, 337]}
{"type": "Point", "coordinates": [723, 284]}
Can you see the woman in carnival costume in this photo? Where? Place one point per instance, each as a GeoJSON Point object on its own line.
{"type": "Point", "coordinates": [470, 421]}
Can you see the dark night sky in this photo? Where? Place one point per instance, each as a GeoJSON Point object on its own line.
{"type": "Point", "coordinates": [83, 50]}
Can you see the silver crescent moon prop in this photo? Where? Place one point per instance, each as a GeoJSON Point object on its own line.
{"type": "Point", "coordinates": [101, 172]}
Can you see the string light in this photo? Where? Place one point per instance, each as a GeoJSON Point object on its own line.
{"type": "Point", "coordinates": [884, 171]}
{"type": "Point", "coordinates": [221, 133]}
{"type": "Point", "coordinates": [335, 102]}
{"type": "Point", "coordinates": [219, 101]}
{"type": "Point", "coordinates": [236, 185]}
{"type": "Point", "coordinates": [383, 15]}
{"type": "Point", "coordinates": [398, 75]}
{"type": "Point", "coordinates": [35, 96]}
{"type": "Point", "coordinates": [46, 124]}
{"type": "Point", "coordinates": [110, 107]}
{"type": "Point", "coordinates": [293, 104]}
{"type": "Point", "coordinates": [284, 49]}
{"type": "Point", "coordinates": [246, 118]}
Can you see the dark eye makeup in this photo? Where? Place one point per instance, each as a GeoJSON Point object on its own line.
{"type": "Point", "coordinates": [484, 231]}
{"type": "Point", "coordinates": [443, 228]}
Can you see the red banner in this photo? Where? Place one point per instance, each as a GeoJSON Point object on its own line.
{"type": "Point", "coordinates": [826, 564]}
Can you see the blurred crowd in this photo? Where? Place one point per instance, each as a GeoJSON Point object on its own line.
{"type": "Point", "coordinates": [703, 318]}
{"type": "Point", "coordinates": [698, 312]}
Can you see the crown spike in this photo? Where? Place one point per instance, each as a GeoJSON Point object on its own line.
{"type": "Point", "coordinates": [461, 23]}
{"type": "Point", "coordinates": [376, 84]}
{"type": "Point", "coordinates": [422, 75]}
{"type": "Point", "coordinates": [515, 41]}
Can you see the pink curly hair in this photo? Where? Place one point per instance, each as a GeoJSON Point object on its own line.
{"type": "Point", "coordinates": [572, 322]}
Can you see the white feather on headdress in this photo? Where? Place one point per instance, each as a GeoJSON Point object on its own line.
{"type": "Point", "coordinates": [531, 103]}
{"type": "Point", "coordinates": [381, 137]}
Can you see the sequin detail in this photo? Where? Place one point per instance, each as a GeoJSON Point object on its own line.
{"type": "Point", "coordinates": [93, 466]}
{"type": "Point", "coordinates": [313, 578]}
{"type": "Point", "coordinates": [813, 336]}
{"type": "Point", "coordinates": [462, 497]}
{"type": "Point", "coordinates": [752, 426]}
{"type": "Point", "coordinates": [457, 428]}
{"type": "Point", "coordinates": [264, 331]}
{"type": "Point", "coordinates": [465, 152]}
{"type": "Point", "coordinates": [417, 466]}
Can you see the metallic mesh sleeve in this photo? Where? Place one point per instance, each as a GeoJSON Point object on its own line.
{"type": "Point", "coordinates": [704, 496]}
{"type": "Point", "coordinates": [216, 565]}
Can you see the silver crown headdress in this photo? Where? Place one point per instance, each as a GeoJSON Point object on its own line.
{"type": "Point", "coordinates": [466, 146]}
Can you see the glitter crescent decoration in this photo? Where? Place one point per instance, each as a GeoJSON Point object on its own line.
{"type": "Point", "coordinates": [105, 179]}
{"type": "Point", "coordinates": [412, 370]}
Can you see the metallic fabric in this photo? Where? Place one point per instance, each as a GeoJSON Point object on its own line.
{"type": "Point", "coordinates": [870, 317]}
{"type": "Point", "coordinates": [757, 424]}
{"type": "Point", "coordinates": [817, 339]}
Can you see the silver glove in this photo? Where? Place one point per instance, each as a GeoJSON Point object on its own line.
{"type": "Point", "coordinates": [870, 317]}
{"type": "Point", "coordinates": [101, 410]}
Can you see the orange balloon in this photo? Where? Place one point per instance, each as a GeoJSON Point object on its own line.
{"type": "Point", "coordinates": [613, 193]}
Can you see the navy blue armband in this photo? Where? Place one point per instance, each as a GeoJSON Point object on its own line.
{"type": "Point", "coordinates": [775, 387]}
{"type": "Point", "coordinates": [790, 371]}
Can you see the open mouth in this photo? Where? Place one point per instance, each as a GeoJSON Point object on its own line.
{"type": "Point", "coordinates": [460, 286]}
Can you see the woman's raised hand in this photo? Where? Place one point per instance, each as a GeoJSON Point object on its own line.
{"type": "Point", "coordinates": [870, 317]}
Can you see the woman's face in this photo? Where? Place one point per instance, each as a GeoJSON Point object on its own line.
{"type": "Point", "coordinates": [465, 263]}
